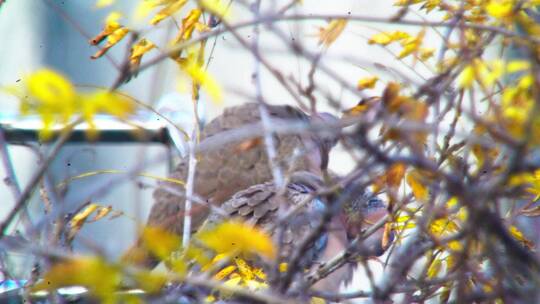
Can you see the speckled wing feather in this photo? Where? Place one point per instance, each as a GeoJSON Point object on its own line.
{"type": "Point", "coordinates": [259, 205]}
{"type": "Point", "coordinates": [221, 173]}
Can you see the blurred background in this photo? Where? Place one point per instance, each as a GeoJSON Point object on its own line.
{"type": "Point", "coordinates": [54, 33]}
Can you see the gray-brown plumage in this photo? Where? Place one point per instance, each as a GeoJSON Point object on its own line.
{"type": "Point", "coordinates": [236, 166]}
{"type": "Point", "coordinates": [260, 205]}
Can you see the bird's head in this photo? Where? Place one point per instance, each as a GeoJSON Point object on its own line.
{"type": "Point", "coordinates": [360, 213]}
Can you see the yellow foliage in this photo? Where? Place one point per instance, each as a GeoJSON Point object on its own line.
{"type": "Point", "coordinates": [434, 268]}
{"type": "Point", "coordinates": [235, 237]}
{"type": "Point", "coordinates": [367, 82]}
{"type": "Point", "coordinates": [188, 25]}
{"type": "Point", "coordinates": [104, 3]}
{"type": "Point", "coordinates": [82, 217]}
{"type": "Point", "coordinates": [52, 97]}
{"type": "Point", "coordinates": [170, 8]}
{"type": "Point", "coordinates": [411, 44]}
{"type": "Point", "coordinates": [100, 277]}
{"type": "Point", "coordinates": [391, 178]}
{"type": "Point", "coordinates": [329, 34]}
{"type": "Point", "coordinates": [112, 31]}
{"type": "Point", "coordinates": [425, 53]}
{"type": "Point", "coordinates": [530, 180]}
{"type": "Point", "coordinates": [362, 106]}
{"type": "Point", "coordinates": [518, 235]}
{"type": "Point", "coordinates": [160, 242]}
{"type": "Point", "coordinates": [414, 179]}
{"type": "Point", "coordinates": [500, 8]}
{"type": "Point", "coordinates": [150, 282]}
{"type": "Point", "coordinates": [138, 49]}
{"type": "Point", "coordinates": [385, 38]}
{"type": "Point", "coordinates": [198, 74]}
{"type": "Point", "coordinates": [216, 7]}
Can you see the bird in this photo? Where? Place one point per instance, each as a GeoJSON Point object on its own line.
{"type": "Point", "coordinates": [235, 166]}
{"type": "Point", "coordinates": [262, 205]}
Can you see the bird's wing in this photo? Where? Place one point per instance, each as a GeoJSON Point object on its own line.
{"type": "Point", "coordinates": [260, 206]}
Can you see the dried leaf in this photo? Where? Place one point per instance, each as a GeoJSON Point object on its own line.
{"type": "Point", "coordinates": [101, 213]}
{"type": "Point", "coordinates": [329, 34]}
{"type": "Point", "coordinates": [420, 192]}
{"type": "Point", "coordinates": [466, 77]}
{"type": "Point", "coordinates": [138, 49]}
{"type": "Point", "coordinates": [188, 25]}
{"type": "Point", "coordinates": [395, 174]}
{"type": "Point", "coordinates": [78, 220]}
{"type": "Point", "coordinates": [518, 235]}
{"type": "Point", "coordinates": [249, 144]}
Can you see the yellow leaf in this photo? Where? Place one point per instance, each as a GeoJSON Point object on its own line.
{"type": "Point", "coordinates": [395, 174]}
{"type": "Point", "coordinates": [466, 77]}
{"type": "Point", "coordinates": [52, 89]}
{"type": "Point", "coordinates": [434, 268]}
{"type": "Point", "coordinates": [200, 76]}
{"type": "Point", "coordinates": [367, 83]}
{"type": "Point", "coordinates": [362, 106]}
{"type": "Point", "coordinates": [101, 213]}
{"type": "Point", "coordinates": [411, 44]}
{"type": "Point", "coordinates": [385, 38]}
{"type": "Point", "coordinates": [517, 66]}
{"type": "Point", "coordinates": [116, 36]}
{"type": "Point", "coordinates": [111, 21]}
{"type": "Point", "coordinates": [216, 7]}
{"type": "Point", "coordinates": [143, 9]}
{"type": "Point", "coordinates": [420, 192]}
{"type": "Point", "coordinates": [407, 50]}
{"type": "Point", "coordinates": [500, 8]}
{"type": "Point", "coordinates": [80, 218]}
{"type": "Point", "coordinates": [188, 25]}
{"type": "Point", "coordinates": [225, 272]}
{"type": "Point", "coordinates": [231, 237]}
{"type": "Point", "coordinates": [104, 3]}
{"type": "Point", "coordinates": [101, 278]}
{"type": "Point", "coordinates": [329, 34]}
{"type": "Point", "coordinates": [160, 242]}
{"type": "Point", "coordinates": [518, 235]}
{"type": "Point", "coordinates": [111, 25]}
{"type": "Point", "coordinates": [113, 103]}
{"type": "Point", "coordinates": [168, 10]}
{"type": "Point", "coordinates": [138, 49]}
{"type": "Point", "coordinates": [426, 53]}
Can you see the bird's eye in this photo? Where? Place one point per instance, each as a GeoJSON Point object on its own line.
{"type": "Point", "coordinates": [374, 202]}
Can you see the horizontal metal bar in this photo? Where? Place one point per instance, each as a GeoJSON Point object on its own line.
{"type": "Point", "coordinates": [109, 131]}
